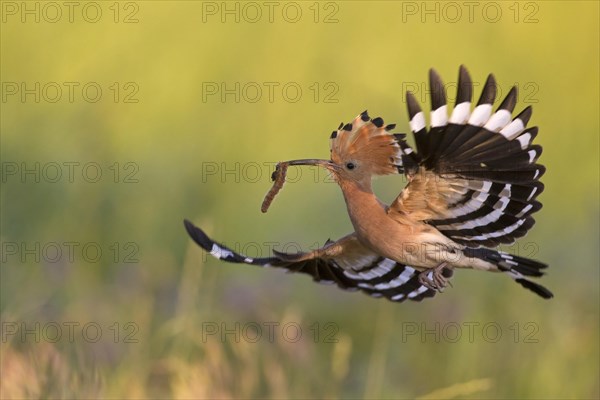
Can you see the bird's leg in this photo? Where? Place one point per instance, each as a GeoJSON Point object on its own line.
{"type": "Point", "coordinates": [438, 281]}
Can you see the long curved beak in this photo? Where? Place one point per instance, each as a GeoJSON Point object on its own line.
{"type": "Point", "coordinates": [327, 164]}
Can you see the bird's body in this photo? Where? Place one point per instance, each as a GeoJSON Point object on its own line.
{"type": "Point", "coordinates": [473, 183]}
{"type": "Point", "coordinates": [390, 234]}
{"type": "Point", "coordinates": [401, 237]}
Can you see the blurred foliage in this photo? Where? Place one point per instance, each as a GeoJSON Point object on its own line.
{"type": "Point", "coordinates": [371, 52]}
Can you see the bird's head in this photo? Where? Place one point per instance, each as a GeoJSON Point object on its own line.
{"type": "Point", "coordinates": [361, 149]}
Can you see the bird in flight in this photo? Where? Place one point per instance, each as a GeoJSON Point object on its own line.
{"type": "Point", "coordinates": [473, 180]}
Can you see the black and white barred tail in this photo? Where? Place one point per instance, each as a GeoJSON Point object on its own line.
{"type": "Point", "coordinates": [516, 267]}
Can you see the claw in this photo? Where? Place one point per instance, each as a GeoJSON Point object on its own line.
{"type": "Point", "coordinates": [426, 281]}
{"type": "Point", "coordinates": [437, 281]}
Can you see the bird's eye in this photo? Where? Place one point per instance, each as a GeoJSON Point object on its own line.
{"type": "Point", "coordinates": [350, 165]}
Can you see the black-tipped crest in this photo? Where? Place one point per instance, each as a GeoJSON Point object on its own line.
{"type": "Point", "coordinates": [378, 122]}
{"type": "Point", "coordinates": [369, 143]}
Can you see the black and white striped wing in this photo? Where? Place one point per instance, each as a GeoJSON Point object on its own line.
{"type": "Point", "coordinates": [484, 161]}
{"type": "Point", "coordinates": [346, 263]}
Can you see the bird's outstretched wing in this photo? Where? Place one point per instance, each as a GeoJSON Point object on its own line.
{"type": "Point", "coordinates": [346, 263]}
{"type": "Point", "coordinates": [478, 179]}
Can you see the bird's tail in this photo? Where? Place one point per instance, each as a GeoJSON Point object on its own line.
{"type": "Point", "coordinates": [516, 267]}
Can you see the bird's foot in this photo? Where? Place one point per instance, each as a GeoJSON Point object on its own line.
{"type": "Point", "coordinates": [437, 281]}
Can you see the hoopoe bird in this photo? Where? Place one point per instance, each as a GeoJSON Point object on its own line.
{"type": "Point", "coordinates": [472, 185]}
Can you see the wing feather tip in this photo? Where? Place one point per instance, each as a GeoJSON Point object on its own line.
{"type": "Point", "coordinates": [198, 235]}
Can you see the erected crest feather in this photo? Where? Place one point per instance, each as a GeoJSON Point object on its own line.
{"type": "Point", "coordinates": [370, 143]}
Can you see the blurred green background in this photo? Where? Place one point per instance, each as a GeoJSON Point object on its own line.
{"type": "Point", "coordinates": [183, 108]}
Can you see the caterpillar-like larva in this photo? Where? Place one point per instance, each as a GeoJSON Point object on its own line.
{"type": "Point", "coordinates": [278, 178]}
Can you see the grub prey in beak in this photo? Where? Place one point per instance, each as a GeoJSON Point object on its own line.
{"type": "Point", "coordinates": [278, 176]}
